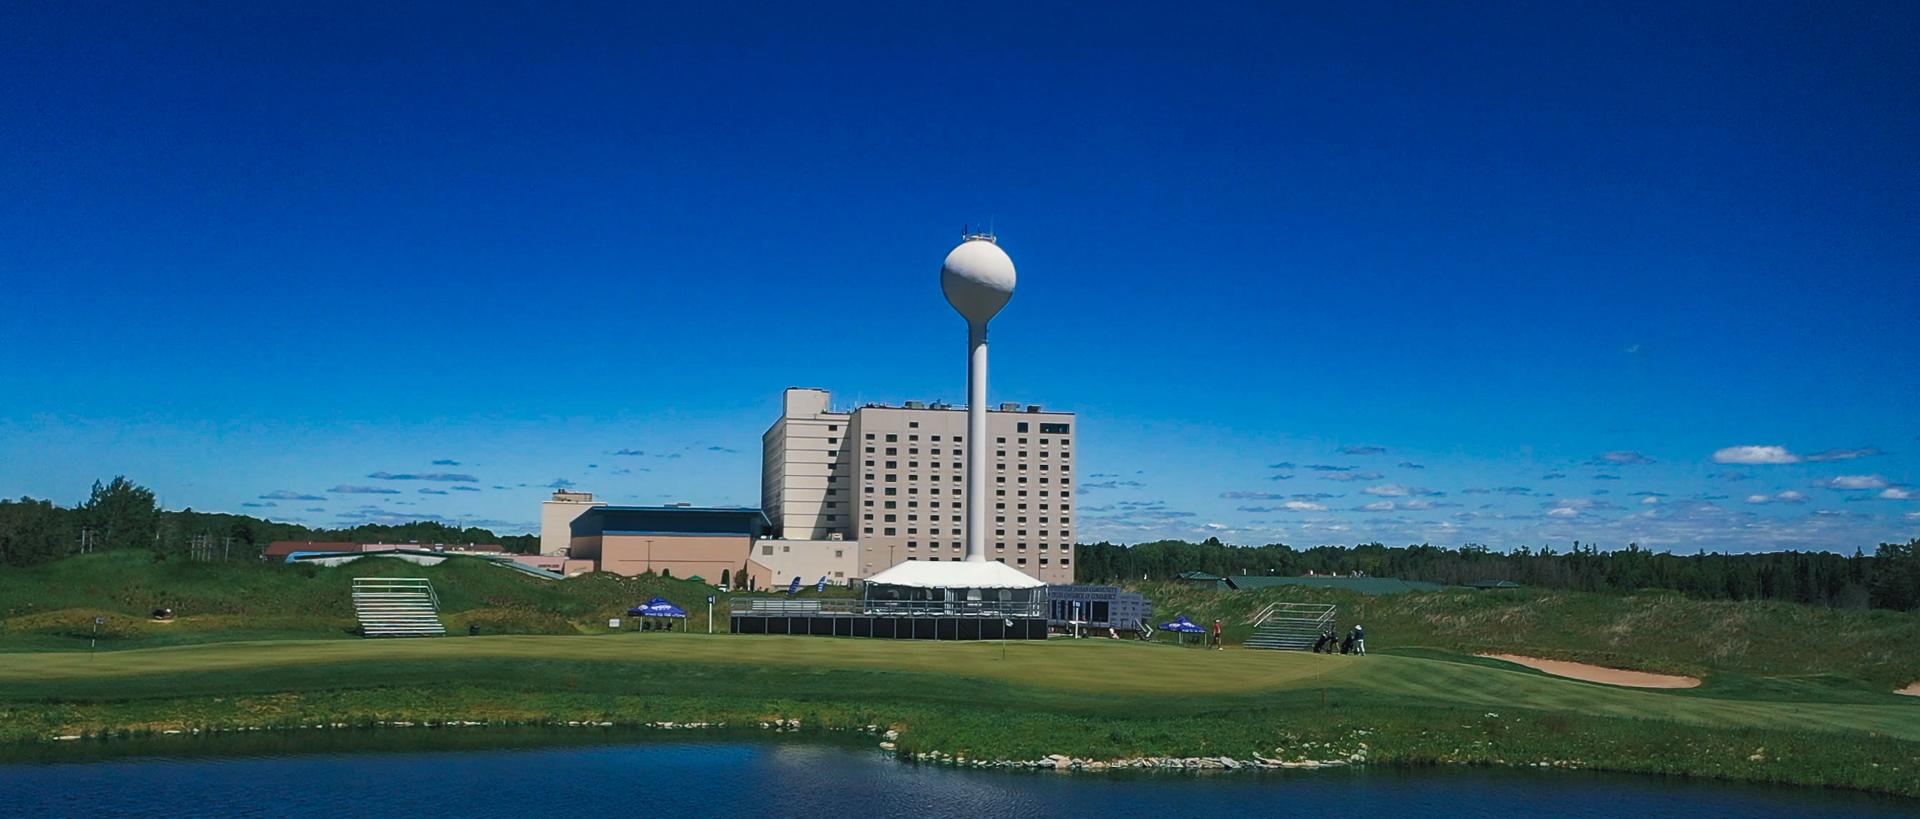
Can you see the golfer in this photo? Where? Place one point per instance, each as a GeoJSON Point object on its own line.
{"type": "Point", "coordinates": [1359, 640]}
{"type": "Point", "coordinates": [1216, 634]}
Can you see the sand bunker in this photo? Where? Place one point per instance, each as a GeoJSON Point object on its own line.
{"type": "Point", "coordinates": [1601, 674]}
{"type": "Point", "coordinates": [1911, 690]}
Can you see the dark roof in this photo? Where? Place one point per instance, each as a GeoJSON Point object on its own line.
{"type": "Point", "coordinates": [672, 520]}
{"type": "Point", "coordinates": [1197, 576]}
{"type": "Point", "coordinates": [1494, 584]}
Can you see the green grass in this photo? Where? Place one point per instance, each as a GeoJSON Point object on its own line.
{"type": "Point", "coordinates": [1659, 632]}
{"type": "Point", "coordinates": [51, 607]}
{"type": "Point", "coordinates": [1791, 694]}
{"type": "Point", "coordinates": [1093, 698]}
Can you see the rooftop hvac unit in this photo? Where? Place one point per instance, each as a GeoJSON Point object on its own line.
{"type": "Point", "coordinates": [916, 405]}
{"type": "Point", "coordinates": [836, 536]}
{"type": "Point", "coordinates": [1010, 406]}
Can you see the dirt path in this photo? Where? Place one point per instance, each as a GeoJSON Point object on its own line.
{"type": "Point", "coordinates": [1911, 690]}
{"type": "Point", "coordinates": [1602, 674]}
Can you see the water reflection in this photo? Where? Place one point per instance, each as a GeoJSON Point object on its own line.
{"type": "Point", "coordinates": [475, 773]}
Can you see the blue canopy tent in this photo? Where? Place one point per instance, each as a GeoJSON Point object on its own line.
{"type": "Point", "coordinates": [657, 607]}
{"type": "Point", "coordinates": [1182, 626]}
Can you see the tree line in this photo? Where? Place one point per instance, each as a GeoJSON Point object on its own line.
{"type": "Point", "coordinates": [121, 514]}
{"type": "Point", "coordinates": [1889, 578]}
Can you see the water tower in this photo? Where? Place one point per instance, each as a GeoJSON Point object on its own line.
{"type": "Point", "coordinates": [978, 279]}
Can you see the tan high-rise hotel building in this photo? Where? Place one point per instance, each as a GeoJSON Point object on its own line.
{"type": "Point", "coordinates": [893, 479]}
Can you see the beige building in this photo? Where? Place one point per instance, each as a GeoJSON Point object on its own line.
{"type": "Point", "coordinates": [710, 543]}
{"type": "Point", "coordinates": [893, 478]}
{"type": "Point", "coordinates": [556, 519]}
{"type": "Point", "coordinates": [775, 563]}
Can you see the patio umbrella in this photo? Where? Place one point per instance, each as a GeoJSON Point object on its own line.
{"type": "Point", "coordinates": [659, 607]}
{"type": "Point", "coordinates": [1182, 626]}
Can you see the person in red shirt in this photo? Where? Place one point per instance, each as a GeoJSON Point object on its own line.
{"type": "Point", "coordinates": [1216, 634]}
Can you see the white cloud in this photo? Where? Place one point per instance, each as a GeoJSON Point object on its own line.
{"type": "Point", "coordinates": [1898, 493]}
{"type": "Point", "coordinates": [1304, 506]}
{"type": "Point", "coordinates": [1755, 455]}
{"type": "Point", "coordinates": [1789, 496]}
{"type": "Point", "coordinates": [1379, 506]}
{"type": "Point", "coordinates": [1773, 454]}
{"type": "Point", "coordinates": [1856, 482]}
{"type": "Point", "coordinates": [1563, 512]}
{"type": "Point", "coordinates": [1649, 501]}
{"type": "Point", "coordinates": [1759, 499]}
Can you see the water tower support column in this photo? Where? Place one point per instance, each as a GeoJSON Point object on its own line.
{"type": "Point", "coordinates": [977, 441]}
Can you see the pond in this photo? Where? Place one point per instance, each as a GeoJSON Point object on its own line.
{"type": "Point", "coordinates": [487, 772]}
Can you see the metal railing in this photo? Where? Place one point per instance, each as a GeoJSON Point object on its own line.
{"type": "Point", "coordinates": [842, 607]}
{"type": "Point", "coordinates": [1314, 613]}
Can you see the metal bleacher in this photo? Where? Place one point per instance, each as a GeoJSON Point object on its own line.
{"type": "Point", "coordinates": [397, 607]}
{"type": "Point", "coordinates": [1290, 626]}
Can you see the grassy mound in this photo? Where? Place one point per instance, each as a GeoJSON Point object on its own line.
{"type": "Point", "coordinates": [1658, 632]}
{"type": "Point", "coordinates": [52, 606]}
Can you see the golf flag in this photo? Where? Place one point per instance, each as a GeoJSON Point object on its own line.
{"type": "Point", "coordinates": [794, 587]}
{"type": "Point", "coordinates": [823, 584]}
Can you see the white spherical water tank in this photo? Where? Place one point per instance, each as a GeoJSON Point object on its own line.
{"type": "Point", "coordinates": [978, 279]}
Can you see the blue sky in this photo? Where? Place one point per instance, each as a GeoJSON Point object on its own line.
{"type": "Point", "coordinates": [1514, 276]}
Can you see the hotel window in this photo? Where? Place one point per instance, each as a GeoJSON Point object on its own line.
{"type": "Point", "coordinates": [890, 531]}
{"type": "Point", "coordinates": [913, 424]}
{"type": "Point", "coordinates": [869, 530]}
{"type": "Point", "coordinates": [893, 464]}
{"type": "Point", "coordinates": [1002, 440]}
{"type": "Point", "coordinates": [832, 441]}
{"type": "Point", "coordinates": [892, 478]}
{"type": "Point", "coordinates": [891, 519]}
{"type": "Point", "coordinates": [893, 504]}
{"type": "Point", "coordinates": [1022, 561]}
{"type": "Point", "coordinates": [1043, 561]}
{"type": "Point", "coordinates": [892, 437]}
{"type": "Point", "coordinates": [767, 549]}
{"type": "Point", "coordinates": [1053, 429]}
{"type": "Point", "coordinates": [1063, 561]}
{"type": "Point", "coordinates": [869, 436]}
{"type": "Point", "coordinates": [892, 451]}
{"type": "Point", "coordinates": [936, 437]}
{"type": "Point", "coordinates": [892, 491]}
{"type": "Point", "coordinates": [833, 427]}
{"type": "Point", "coordinates": [1020, 427]}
